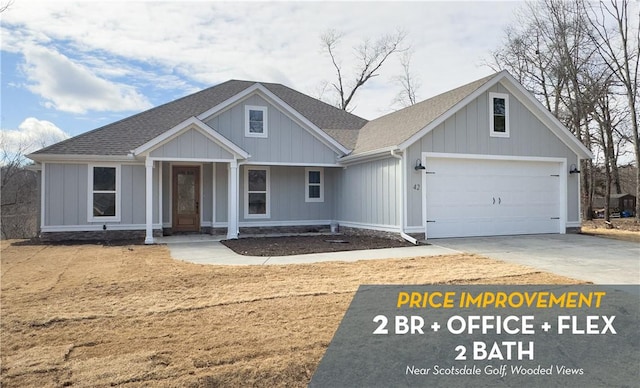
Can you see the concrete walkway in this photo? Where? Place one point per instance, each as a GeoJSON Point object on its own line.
{"type": "Point", "coordinates": [201, 249]}
{"type": "Point", "coordinates": [590, 258]}
{"type": "Point", "coordinates": [595, 259]}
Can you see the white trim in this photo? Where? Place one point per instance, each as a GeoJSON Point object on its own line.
{"type": "Point", "coordinates": [288, 164]}
{"type": "Point", "coordinates": [307, 184]}
{"type": "Point", "coordinates": [368, 156]}
{"type": "Point", "coordinates": [533, 105]}
{"type": "Point", "coordinates": [160, 215]}
{"type": "Point", "coordinates": [42, 197]}
{"type": "Point", "coordinates": [247, 121]}
{"type": "Point", "coordinates": [403, 192]}
{"type": "Point", "coordinates": [579, 191]}
{"type": "Point", "coordinates": [379, 227]}
{"type": "Point", "coordinates": [96, 227]}
{"type": "Point", "coordinates": [543, 113]}
{"type": "Point", "coordinates": [191, 122]}
{"type": "Point", "coordinates": [492, 131]}
{"type": "Point", "coordinates": [423, 194]}
{"type": "Point", "coordinates": [90, 192]}
{"type": "Point", "coordinates": [573, 224]}
{"type": "Point", "coordinates": [564, 200]}
{"type": "Point", "coordinates": [213, 192]}
{"type": "Point", "coordinates": [493, 157]}
{"type": "Point", "coordinates": [414, 229]}
{"type": "Point", "coordinates": [189, 160]}
{"type": "Point", "coordinates": [70, 158]}
{"type": "Point", "coordinates": [259, 89]}
{"type": "Point", "coordinates": [267, 196]}
{"type": "Point", "coordinates": [228, 102]}
{"type": "Point", "coordinates": [319, 133]}
{"type": "Point", "coordinates": [170, 195]}
{"type": "Point", "coordinates": [233, 213]}
{"type": "Point", "coordinates": [443, 117]}
{"type": "Point", "coordinates": [249, 224]}
{"type": "Point", "coordinates": [148, 166]}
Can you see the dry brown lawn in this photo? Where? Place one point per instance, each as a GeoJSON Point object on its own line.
{"type": "Point", "coordinates": [626, 229]}
{"type": "Point", "coordinates": [92, 315]}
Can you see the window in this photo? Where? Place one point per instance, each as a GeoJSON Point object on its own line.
{"type": "Point", "coordinates": [314, 186]}
{"type": "Point", "coordinates": [499, 114]}
{"type": "Point", "coordinates": [104, 197]}
{"type": "Point", "coordinates": [255, 118]}
{"type": "Point", "coordinates": [256, 200]}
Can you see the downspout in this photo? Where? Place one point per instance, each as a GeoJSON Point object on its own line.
{"type": "Point", "coordinates": [401, 198]}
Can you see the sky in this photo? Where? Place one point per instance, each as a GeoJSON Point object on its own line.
{"type": "Point", "coordinates": [68, 67]}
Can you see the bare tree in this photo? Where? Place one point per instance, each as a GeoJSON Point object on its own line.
{"type": "Point", "coordinates": [5, 6]}
{"type": "Point", "coordinates": [619, 47]}
{"type": "Point", "coordinates": [409, 83]}
{"type": "Point", "coordinates": [18, 188]}
{"type": "Point", "coordinates": [549, 50]}
{"type": "Point", "coordinates": [370, 57]}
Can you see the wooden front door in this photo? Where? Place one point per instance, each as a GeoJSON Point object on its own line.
{"type": "Point", "coordinates": [186, 199]}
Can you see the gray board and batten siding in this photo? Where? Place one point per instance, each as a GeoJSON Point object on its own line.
{"type": "Point", "coordinates": [286, 141]}
{"type": "Point", "coordinates": [192, 144]}
{"type": "Point", "coordinates": [287, 197]}
{"type": "Point", "coordinates": [67, 188]}
{"type": "Point", "coordinates": [368, 194]}
{"type": "Point", "coordinates": [467, 132]}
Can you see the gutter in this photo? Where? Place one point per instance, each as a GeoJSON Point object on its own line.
{"type": "Point", "coordinates": [401, 198]}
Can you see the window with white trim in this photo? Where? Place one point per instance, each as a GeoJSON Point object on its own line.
{"type": "Point", "coordinates": [499, 114]}
{"type": "Point", "coordinates": [314, 185]}
{"type": "Point", "coordinates": [104, 194]}
{"type": "Point", "coordinates": [255, 118]}
{"type": "Point", "coordinates": [257, 192]}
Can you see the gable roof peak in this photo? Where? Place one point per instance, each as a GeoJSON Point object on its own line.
{"type": "Point", "coordinates": [397, 127]}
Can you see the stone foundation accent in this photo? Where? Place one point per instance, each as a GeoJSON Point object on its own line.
{"type": "Point", "coordinates": [218, 231]}
{"type": "Point", "coordinates": [283, 229]}
{"type": "Point", "coordinates": [97, 235]}
{"type": "Point", "coordinates": [574, 230]}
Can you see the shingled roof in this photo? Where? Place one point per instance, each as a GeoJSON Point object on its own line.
{"type": "Point", "coordinates": [121, 137]}
{"type": "Point", "coordinates": [353, 132]}
{"type": "Point", "coordinates": [397, 127]}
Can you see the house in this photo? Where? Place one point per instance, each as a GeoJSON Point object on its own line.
{"type": "Point", "coordinates": [619, 204]}
{"type": "Point", "coordinates": [483, 159]}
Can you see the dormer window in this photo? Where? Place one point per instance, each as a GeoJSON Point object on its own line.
{"type": "Point", "coordinates": [499, 114]}
{"type": "Point", "coordinates": [255, 118]}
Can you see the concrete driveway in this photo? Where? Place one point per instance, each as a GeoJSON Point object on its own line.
{"type": "Point", "coordinates": [596, 259]}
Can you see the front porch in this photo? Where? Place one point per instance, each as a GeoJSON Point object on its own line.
{"type": "Point", "coordinates": [196, 200]}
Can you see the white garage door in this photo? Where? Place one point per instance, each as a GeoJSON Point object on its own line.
{"type": "Point", "coordinates": [480, 197]}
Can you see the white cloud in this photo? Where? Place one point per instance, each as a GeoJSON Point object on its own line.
{"type": "Point", "coordinates": [70, 87]}
{"type": "Point", "coordinates": [205, 43]}
{"type": "Point", "coordinates": [32, 134]}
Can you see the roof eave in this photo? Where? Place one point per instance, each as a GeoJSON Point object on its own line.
{"type": "Point", "coordinates": [165, 136]}
{"type": "Point", "coordinates": [368, 155]}
{"type": "Point", "coordinates": [451, 111]}
{"type": "Point", "coordinates": [44, 158]}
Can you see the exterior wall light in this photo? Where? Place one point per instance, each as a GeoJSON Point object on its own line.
{"type": "Point", "coordinates": [573, 169]}
{"type": "Point", "coordinates": [419, 165]}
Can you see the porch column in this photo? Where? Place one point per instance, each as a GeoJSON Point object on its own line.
{"type": "Point", "coordinates": [148, 164]}
{"type": "Point", "coordinates": [232, 218]}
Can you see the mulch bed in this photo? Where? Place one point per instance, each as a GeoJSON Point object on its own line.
{"type": "Point", "coordinates": [299, 245]}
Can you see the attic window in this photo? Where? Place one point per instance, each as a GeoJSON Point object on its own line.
{"type": "Point", "coordinates": [499, 114]}
{"type": "Point", "coordinates": [255, 118]}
